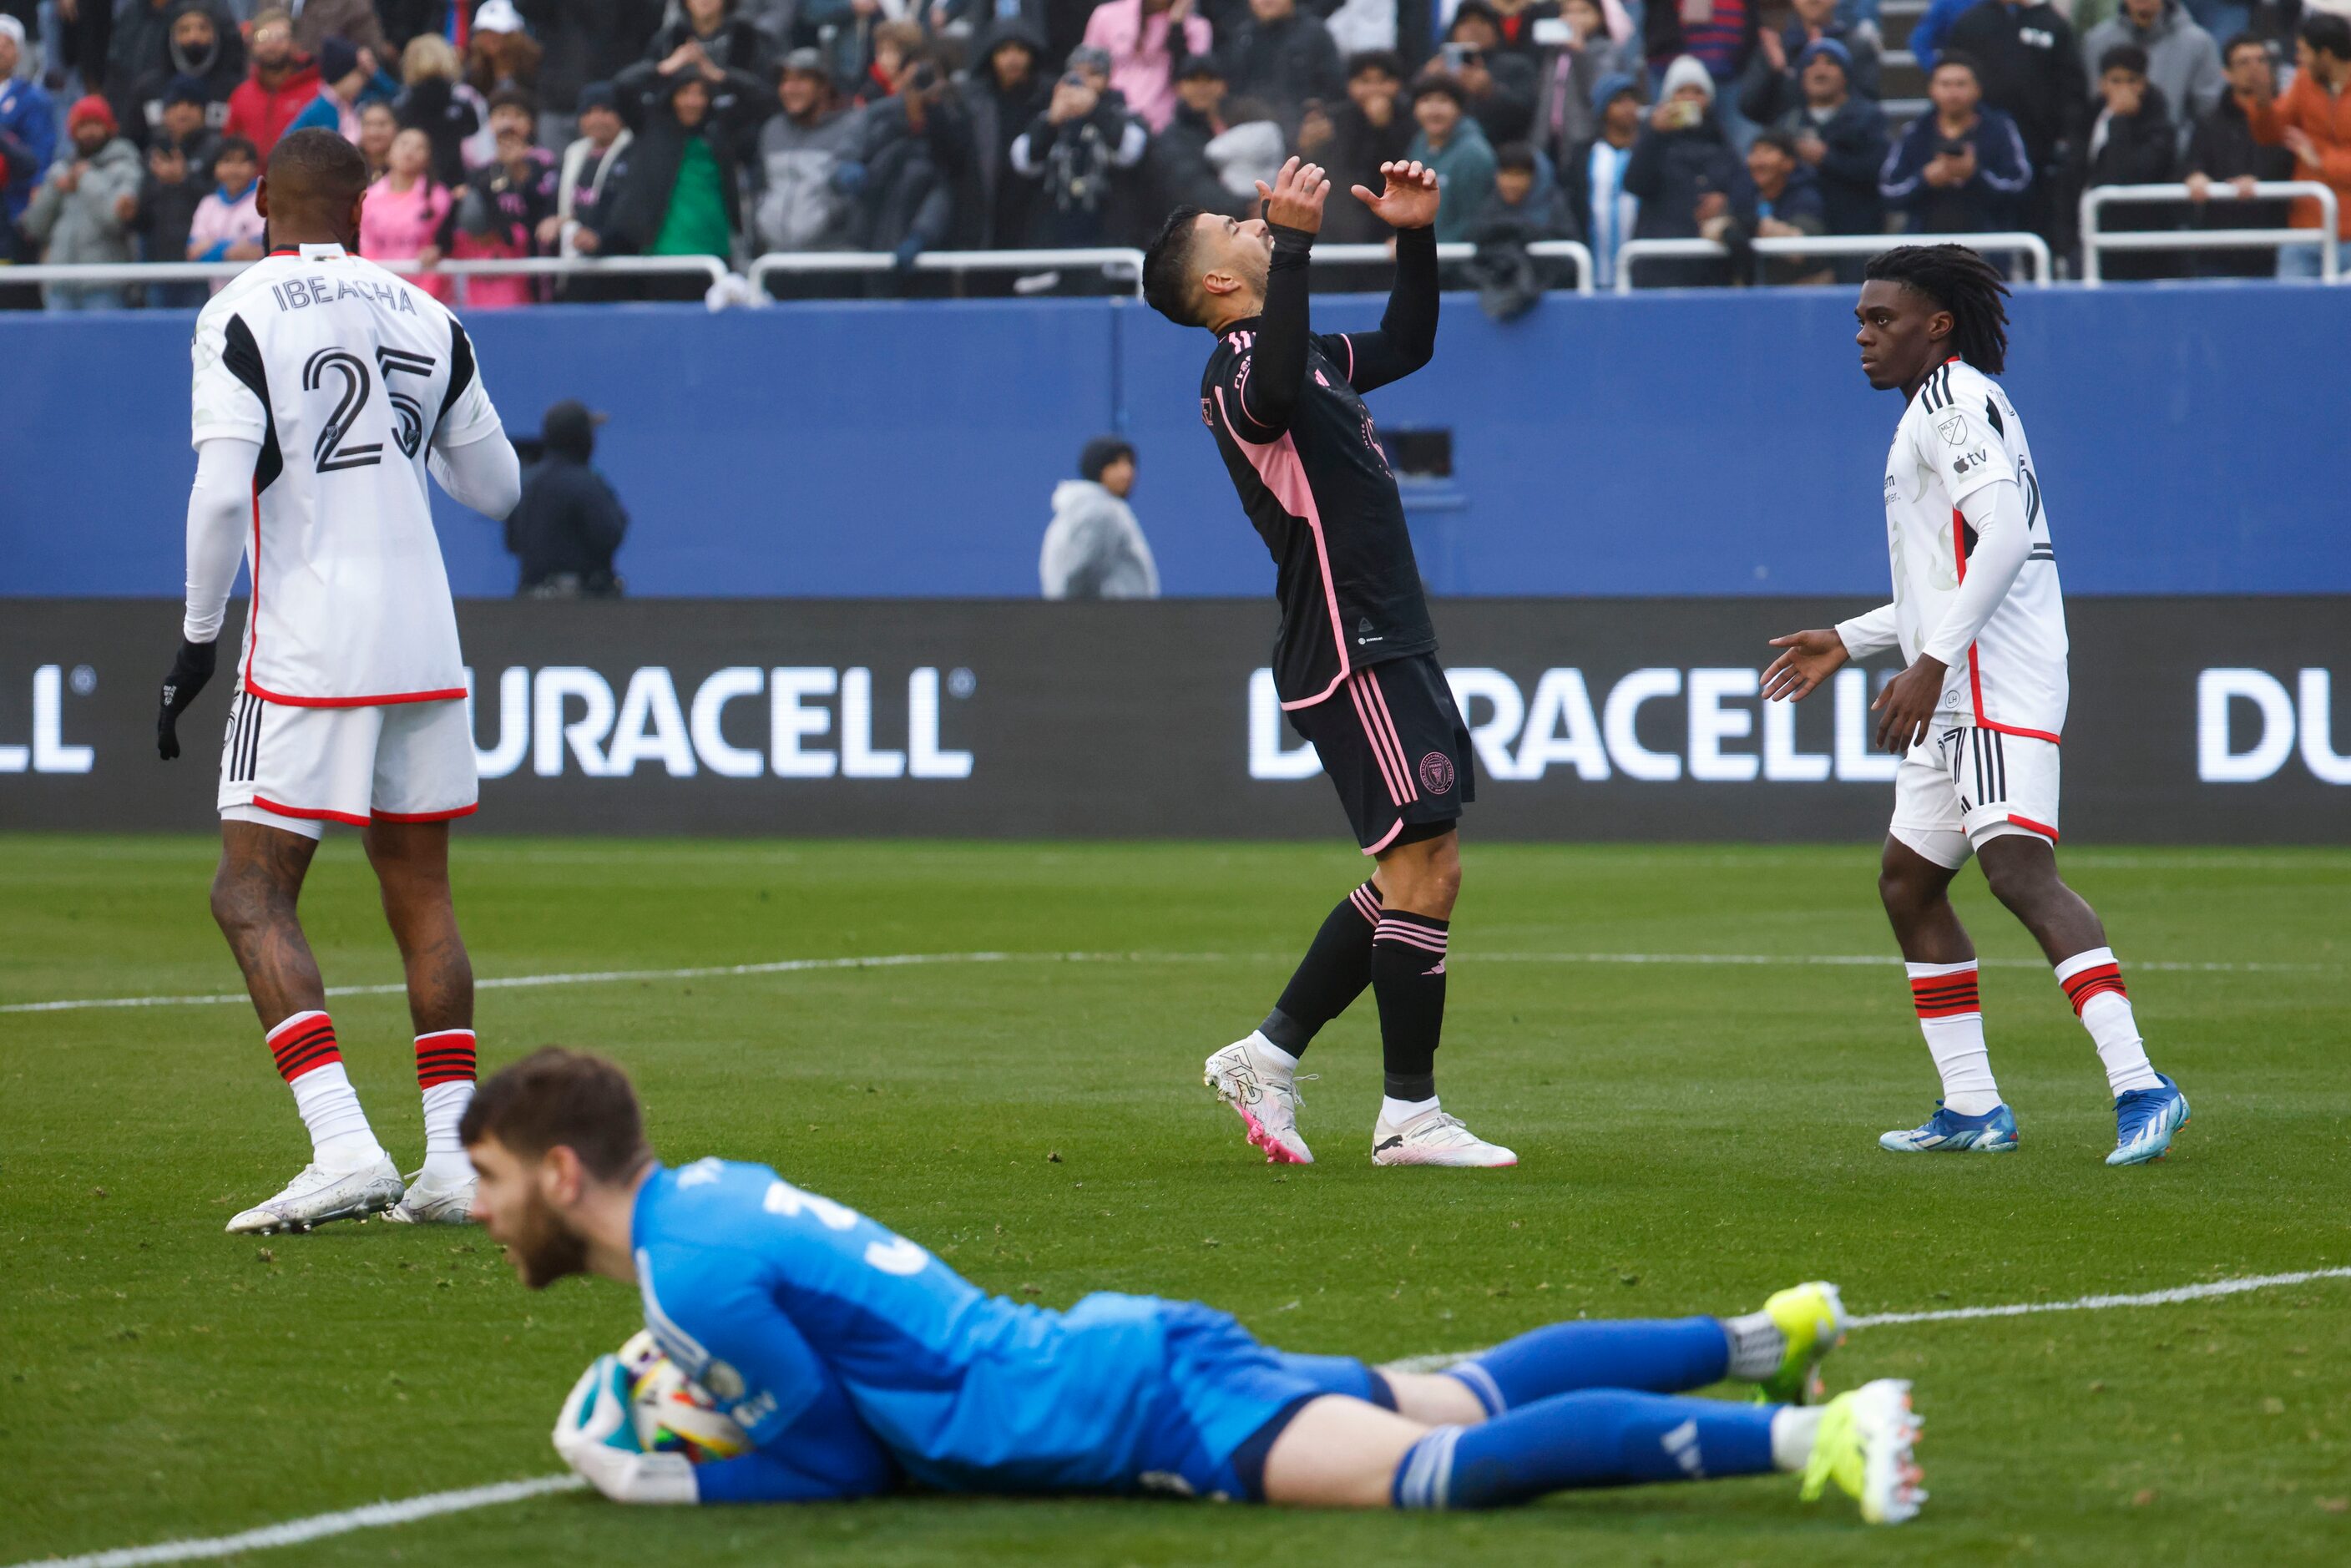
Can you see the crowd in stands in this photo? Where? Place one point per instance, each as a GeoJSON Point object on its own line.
{"type": "Point", "coordinates": [135, 130]}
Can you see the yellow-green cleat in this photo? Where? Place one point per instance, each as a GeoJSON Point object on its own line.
{"type": "Point", "coordinates": [1811, 1317]}
{"type": "Point", "coordinates": [1864, 1447]}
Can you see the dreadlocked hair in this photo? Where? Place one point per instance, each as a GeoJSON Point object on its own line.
{"type": "Point", "coordinates": [1961, 282]}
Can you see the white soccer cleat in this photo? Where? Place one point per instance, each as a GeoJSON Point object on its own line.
{"type": "Point", "coordinates": [432, 1203]}
{"type": "Point", "coordinates": [1264, 1096]}
{"type": "Point", "coordinates": [1864, 1447]}
{"type": "Point", "coordinates": [1435, 1137]}
{"type": "Point", "coordinates": [316, 1196]}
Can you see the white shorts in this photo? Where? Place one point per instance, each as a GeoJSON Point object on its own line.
{"type": "Point", "coordinates": [299, 769]}
{"type": "Point", "coordinates": [1962, 786]}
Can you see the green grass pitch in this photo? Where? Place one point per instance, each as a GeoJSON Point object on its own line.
{"type": "Point", "coordinates": [1692, 1137]}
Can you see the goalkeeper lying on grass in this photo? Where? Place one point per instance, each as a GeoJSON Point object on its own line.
{"type": "Point", "coordinates": [854, 1361]}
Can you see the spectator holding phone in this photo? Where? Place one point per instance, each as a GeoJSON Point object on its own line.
{"type": "Point", "coordinates": [1962, 169]}
{"type": "Point", "coordinates": [1082, 151]}
{"type": "Point", "coordinates": [1683, 169]}
{"type": "Point", "coordinates": [681, 196]}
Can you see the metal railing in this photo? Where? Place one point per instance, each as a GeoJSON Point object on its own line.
{"type": "Point", "coordinates": [1114, 261]}
{"type": "Point", "coordinates": [2030, 246]}
{"type": "Point", "coordinates": [99, 274]}
{"type": "Point", "coordinates": [1542, 250]}
{"type": "Point", "coordinates": [2094, 240]}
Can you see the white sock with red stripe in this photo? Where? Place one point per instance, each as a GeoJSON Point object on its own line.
{"type": "Point", "coordinates": [312, 1065]}
{"type": "Point", "coordinates": [1950, 1015]}
{"type": "Point", "coordinates": [2093, 982]}
{"type": "Point", "coordinates": [444, 1075]}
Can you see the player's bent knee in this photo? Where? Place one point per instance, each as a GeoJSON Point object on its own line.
{"type": "Point", "coordinates": [1339, 1451]}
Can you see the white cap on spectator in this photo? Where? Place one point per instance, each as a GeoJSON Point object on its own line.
{"type": "Point", "coordinates": [14, 29]}
{"type": "Point", "coordinates": [498, 16]}
{"type": "Point", "coordinates": [1686, 71]}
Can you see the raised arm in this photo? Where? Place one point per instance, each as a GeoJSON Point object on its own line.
{"type": "Point", "coordinates": [1275, 376]}
{"type": "Point", "coordinates": [1407, 336]}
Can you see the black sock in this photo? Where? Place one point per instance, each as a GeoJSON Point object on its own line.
{"type": "Point", "coordinates": [1333, 973]}
{"type": "Point", "coordinates": [1408, 977]}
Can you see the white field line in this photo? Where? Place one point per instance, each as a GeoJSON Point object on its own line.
{"type": "Point", "coordinates": [320, 1525]}
{"type": "Point", "coordinates": [2172, 1297]}
{"type": "Point", "coordinates": [909, 960]}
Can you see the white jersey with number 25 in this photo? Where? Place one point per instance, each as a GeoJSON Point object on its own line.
{"type": "Point", "coordinates": [352, 379]}
{"type": "Point", "coordinates": [1959, 434]}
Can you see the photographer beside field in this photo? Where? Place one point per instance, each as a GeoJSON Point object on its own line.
{"type": "Point", "coordinates": [565, 529]}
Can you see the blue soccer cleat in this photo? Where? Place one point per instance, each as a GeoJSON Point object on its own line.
{"type": "Point", "coordinates": [1949, 1133]}
{"type": "Point", "coordinates": [2145, 1120]}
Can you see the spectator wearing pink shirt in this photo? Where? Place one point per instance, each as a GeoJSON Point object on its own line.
{"type": "Point", "coordinates": [1148, 42]}
{"type": "Point", "coordinates": [405, 215]}
{"type": "Point", "coordinates": [226, 226]}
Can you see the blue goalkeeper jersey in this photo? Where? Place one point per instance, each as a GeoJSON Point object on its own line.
{"type": "Point", "coordinates": [851, 1357]}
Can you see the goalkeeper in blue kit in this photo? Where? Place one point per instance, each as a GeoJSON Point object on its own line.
{"type": "Point", "coordinates": [857, 1363]}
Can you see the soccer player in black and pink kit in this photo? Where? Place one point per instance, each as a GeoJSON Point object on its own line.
{"type": "Point", "coordinates": [1355, 660]}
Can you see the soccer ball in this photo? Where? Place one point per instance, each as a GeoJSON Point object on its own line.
{"type": "Point", "coordinates": [672, 1414]}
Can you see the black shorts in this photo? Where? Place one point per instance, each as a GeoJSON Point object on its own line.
{"type": "Point", "coordinates": [1396, 750]}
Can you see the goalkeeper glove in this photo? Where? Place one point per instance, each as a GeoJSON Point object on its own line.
{"type": "Point", "coordinates": [190, 671]}
{"type": "Point", "coordinates": [596, 1437]}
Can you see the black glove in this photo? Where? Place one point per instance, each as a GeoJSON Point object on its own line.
{"type": "Point", "coordinates": [190, 671]}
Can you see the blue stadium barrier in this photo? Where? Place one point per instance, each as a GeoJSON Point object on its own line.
{"type": "Point", "coordinates": [1665, 443]}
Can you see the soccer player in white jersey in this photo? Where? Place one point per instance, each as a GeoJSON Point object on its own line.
{"type": "Point", "coordinates": [1979, 713]}
{"type": "Point", "coordinates": [325, 389]}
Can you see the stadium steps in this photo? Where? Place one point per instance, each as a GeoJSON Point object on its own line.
{"type": "Point", "coordinates": [1902, 86]}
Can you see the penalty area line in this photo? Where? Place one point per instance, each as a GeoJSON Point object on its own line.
{"type": "Point", "coordinates": [294, 1533]}
{"type": "Point", "coordinates": [916, 961]}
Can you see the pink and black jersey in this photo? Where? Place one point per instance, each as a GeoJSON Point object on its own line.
{"type": "Point", "coordinates": [1287, 410]}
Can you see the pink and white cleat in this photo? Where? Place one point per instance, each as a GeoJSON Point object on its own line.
{"type": "Point", "coordinates": [1263, 1095]}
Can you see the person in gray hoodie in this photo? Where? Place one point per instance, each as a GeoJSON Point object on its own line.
{"type": "Point", "coordinates": [85, 212]}
{"type": "Point", "coordinates": [1094, 547]}
{"type": "Point", "coordinates": [2182, 61]}
{"type": "Point", "coordinates": [800, 207]}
